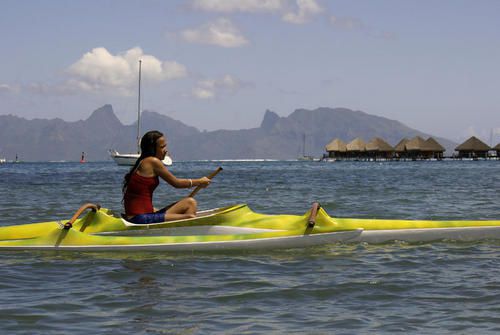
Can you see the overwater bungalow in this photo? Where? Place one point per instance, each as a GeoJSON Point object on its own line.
{"type": "Point", "coordinates": [434, 149]}
{"type": "Point", "coordinates": [416, 148]}
{"type": "Point", "coordinates": [473, 148]}
{"type": "Point", "coordinates": [400, 149]}
{"type": "Point", "coordinates": [377, 148]}
{"type": "Point", "coordinates": [336, 148]}
{"type": "Point", "coordinates": [497, 149]}
{"type": "Point", "coordinates": [356, 148]}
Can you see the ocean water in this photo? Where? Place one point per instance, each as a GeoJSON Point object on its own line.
{"type": "Point", "coordinates": [443, 287]}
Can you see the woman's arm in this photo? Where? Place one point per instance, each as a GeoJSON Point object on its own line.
{"type": "Point", "coordinates": [161, 171]}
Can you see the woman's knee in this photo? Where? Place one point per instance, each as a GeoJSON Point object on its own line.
{"type": "Point", "coordinates": [191, 202]}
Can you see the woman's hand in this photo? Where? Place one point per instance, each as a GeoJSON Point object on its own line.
{"type": "Point", "coordinates": [203, 182]}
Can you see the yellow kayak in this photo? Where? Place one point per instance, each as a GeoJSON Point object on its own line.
{"type": "Point", "coordinates": [234, 227]}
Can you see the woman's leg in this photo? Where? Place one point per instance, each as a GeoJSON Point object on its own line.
{"type": "Point", "coordinates": [183, 209]}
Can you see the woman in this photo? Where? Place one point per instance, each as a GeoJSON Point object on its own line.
{"type": "Point", "coordinates": [142, 179]}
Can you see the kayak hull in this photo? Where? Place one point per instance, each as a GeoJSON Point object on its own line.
{"type": "Point", "coordinates": [288, 242]}
{"type": "Point", "coordinates": [229, 228]}
{"type": "Point", "coordinates": [233, 228]}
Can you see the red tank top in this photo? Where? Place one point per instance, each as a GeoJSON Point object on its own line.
{"type": "Point", "coordinates": [138, 197]}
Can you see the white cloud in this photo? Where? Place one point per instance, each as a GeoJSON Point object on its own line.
{"type": "Point", "coordinates": [5, 88]}
{"type": "Point", "coordinates": [210, 88]}
{"type": "Point", "coordinates": [201, 93]}
{"type": "Point", "coordinates": [221, 32]}
{"type": "Point", "coordinates": [100, 70]}
{"type": "Point", "coordinates": [296, 12]}
{"type": "Point", "coordinates": [49, 89]}
{"type": "Point", "coordinates": [231, 6]}
{"type": "Point", "coordinates": [352, 24]}
{"type": "Point", "coordinates": [306, 9]}
{"type": "Point", "coordinates": [347, 23]}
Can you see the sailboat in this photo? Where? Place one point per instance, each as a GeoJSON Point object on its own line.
{"type": "Point", "coordinates": [130, 158]}
{"type": "Point", "coordinates": [304, 157]}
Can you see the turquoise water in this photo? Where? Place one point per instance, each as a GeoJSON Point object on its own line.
{"type": "Point", "coordinates": [442, 287]}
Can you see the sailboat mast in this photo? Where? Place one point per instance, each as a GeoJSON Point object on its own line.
{"type": "Point", "coordinates": [139, 112]}
{"type": "Point", "coordinates": [304, 145]}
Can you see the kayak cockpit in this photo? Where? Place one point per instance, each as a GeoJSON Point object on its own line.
{"type": "Point", "coordinates": [205, 223]}
{"type": "Point", "coordinates": [200, 214]}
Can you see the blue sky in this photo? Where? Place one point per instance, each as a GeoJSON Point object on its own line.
{"type": "Point", "coordinates": [219, 64]}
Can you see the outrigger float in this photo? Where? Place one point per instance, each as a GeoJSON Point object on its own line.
{"type": "Point", "coordinates": [231, 228]}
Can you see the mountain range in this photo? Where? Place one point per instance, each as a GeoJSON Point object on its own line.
{"type": "Point", "coordinates": [276, 138]}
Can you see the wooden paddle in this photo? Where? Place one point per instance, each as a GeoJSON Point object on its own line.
{"type": "Point", "coordinates": [210, 176]}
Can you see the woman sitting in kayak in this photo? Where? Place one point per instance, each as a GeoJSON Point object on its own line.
{"type": "Point", "coordinates": [142, 179]}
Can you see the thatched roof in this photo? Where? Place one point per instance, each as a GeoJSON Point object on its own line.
{"type": "Point", "coordinates": [356, 145]}
{"type": "Point", "coordinates": [433, 145]}
{"type": "Point", "coordinates": [378, 144]}
{"type": "Point", "coordinates": [497, 147]}
{"type": "Point", "coordinates": [473, 144]}
{"type": "Point", "coordinates": [336, 145]}
{"type": "Point", "coordinates": [416, 144]}
{"type": "Point", "coordinates": [400, 147]}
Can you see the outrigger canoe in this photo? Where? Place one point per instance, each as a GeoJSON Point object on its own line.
{"type": "Point", "coordinates": [234, 227]}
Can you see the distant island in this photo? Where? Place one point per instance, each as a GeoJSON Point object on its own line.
{"type": "Point", "coordinates": [303, 131]}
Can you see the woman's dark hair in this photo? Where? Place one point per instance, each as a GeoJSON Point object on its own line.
{"type": "Point", "coordinates": [148, 149]}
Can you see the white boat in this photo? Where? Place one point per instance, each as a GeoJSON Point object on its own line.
{"type": "Point", "coordinates": [305, 157]}
{"type": "Point", "coordinates": [3, 160]}
{"type": "Point", "coordinates": [130, 158]}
